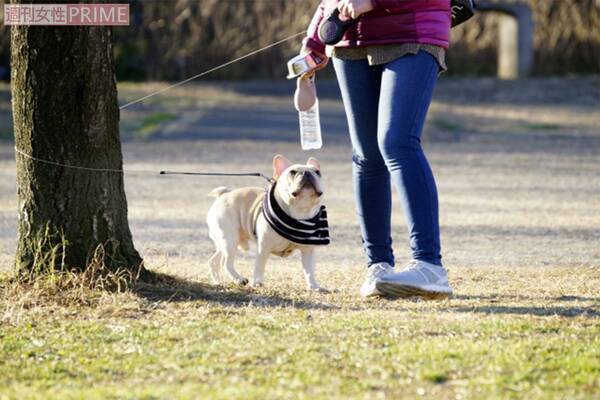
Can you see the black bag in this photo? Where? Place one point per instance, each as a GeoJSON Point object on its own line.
{"type": "Point", "coordinates": [462, 10]}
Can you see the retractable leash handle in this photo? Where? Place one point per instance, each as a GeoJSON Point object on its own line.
{"type": "Point", "coordinates": [330, 32]}
{"type": "Point", "coordinates": [333, 28]}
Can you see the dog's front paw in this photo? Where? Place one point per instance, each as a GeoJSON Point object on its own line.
{"type": "Point", "coordinates": [257, 284]}
{"type": "Point", "coordinates": [242, 281]}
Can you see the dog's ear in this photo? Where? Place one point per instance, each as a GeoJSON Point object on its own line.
{"type": "Point", "coordinates": [314, 162]}
{"type": "Point", "coordinates": [280, 164]}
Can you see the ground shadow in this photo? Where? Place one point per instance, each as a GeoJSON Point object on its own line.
{"type": "Point", "coordinates": [171, 289]}
{"type": "Point", "coordinates": [500, 297]}
{"type": "Point", "coordinates": [562, 311]}
{"type": "Point", "coordinates": [536, 311]}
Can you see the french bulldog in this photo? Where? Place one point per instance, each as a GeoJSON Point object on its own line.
{"type": "Point", "coordinates": [289, 216]}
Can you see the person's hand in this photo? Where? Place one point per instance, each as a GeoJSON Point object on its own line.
{"type": "Point", "coordinates": [306, 50]}
{"type": "Point", "coordinates": [354, 8]}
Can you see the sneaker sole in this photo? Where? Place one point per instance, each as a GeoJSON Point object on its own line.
{"type": "Point", "coordinates": [406, 291]}
{"type": "Point", "coordinates": [372, 293]}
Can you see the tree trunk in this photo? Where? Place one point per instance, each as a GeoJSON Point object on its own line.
{"type": "Point", "coordinates": [65, 110]}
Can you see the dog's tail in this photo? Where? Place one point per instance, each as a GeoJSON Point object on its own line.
{"type": "Point", "coordinates": [219, 191]}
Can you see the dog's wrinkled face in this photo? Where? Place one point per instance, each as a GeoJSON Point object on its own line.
{"type": "Point", "coordinates": [299, 186]}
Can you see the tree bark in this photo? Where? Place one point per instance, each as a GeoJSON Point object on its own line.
{"type": "Point", "coordinates": [65, 110]}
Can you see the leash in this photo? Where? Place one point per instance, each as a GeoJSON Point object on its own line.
{"type": "Point", "coordinates": [257, 174]}
{"type": "Point", "coordinates": [180, 83]}
{"type": "Point", "coordinates": [69, 166]}
{"type": "Point", "coordinates": [139, 171]}
{"type": "Point", "coordinates": [218, 67]}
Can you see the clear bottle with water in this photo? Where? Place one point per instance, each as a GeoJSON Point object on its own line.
{"type": "Point", "coordinates": [310, 128]}
{"type": "Point", "coordinates": [307, 104]}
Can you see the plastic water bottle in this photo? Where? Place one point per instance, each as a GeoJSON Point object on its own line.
{"type": "Point", "coordinates": [310, 128]}
{"type": "Point", "coordinates": [307, 104]}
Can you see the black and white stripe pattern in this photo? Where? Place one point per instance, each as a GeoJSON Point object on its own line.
{"type": "Point", "coordinates": [313, 231]}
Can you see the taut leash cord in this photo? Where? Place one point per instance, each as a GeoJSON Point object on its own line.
{"type": "Point", "coordinates": [211, 70]}
{"type": "Point", "coordinates": [146, 172]}
{"type": "Point", "coordinates": [57, 164]}
{"type": "Point", "coordinates": [139, 171]}
{"type": "Point", "coordinates": [257, 174]}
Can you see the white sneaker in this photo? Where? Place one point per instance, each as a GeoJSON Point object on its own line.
{"type": "Point", "coordinates": [419, 278]}
{"type": "Point", "coordinates": [374, 274]}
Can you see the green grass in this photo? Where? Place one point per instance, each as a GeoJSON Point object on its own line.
{"type": "Point", "coordinates": [145, 127]}
{"type": "Point", "coordinates": [519, 233]}
{"type": "Point", "coordinates": [153, 121]}
{"type": "Point", "coordinates": [447, 125]}
{"type": "Point", "coordinates": [225, 342]}
{"type": "Point", "coordinates": [542, 127]}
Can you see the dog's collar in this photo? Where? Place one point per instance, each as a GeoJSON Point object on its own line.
{"type": "Point", "coordinates": [313, 231]}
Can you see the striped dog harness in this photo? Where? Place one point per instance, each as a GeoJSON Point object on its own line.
{"type": "Point", "coordinates": [313, 231]}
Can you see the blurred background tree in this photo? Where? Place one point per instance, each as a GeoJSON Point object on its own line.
{"type": "Point", "coordinates": [171, 39]}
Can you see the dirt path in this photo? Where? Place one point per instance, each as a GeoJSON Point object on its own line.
{"type": "Point", "coordinates": [517, 163]}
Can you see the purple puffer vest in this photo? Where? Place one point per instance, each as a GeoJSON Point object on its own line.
{"type": "Point", "coordinates": [390, 22]}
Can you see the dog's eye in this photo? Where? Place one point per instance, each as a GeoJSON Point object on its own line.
{"type": "Point", "coordinates": [293, 172]}
{"type": "Point", "coordinates": [318, 172]}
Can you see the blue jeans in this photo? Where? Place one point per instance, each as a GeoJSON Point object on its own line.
{"type": "Point", "coordinates": [386, 107]}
